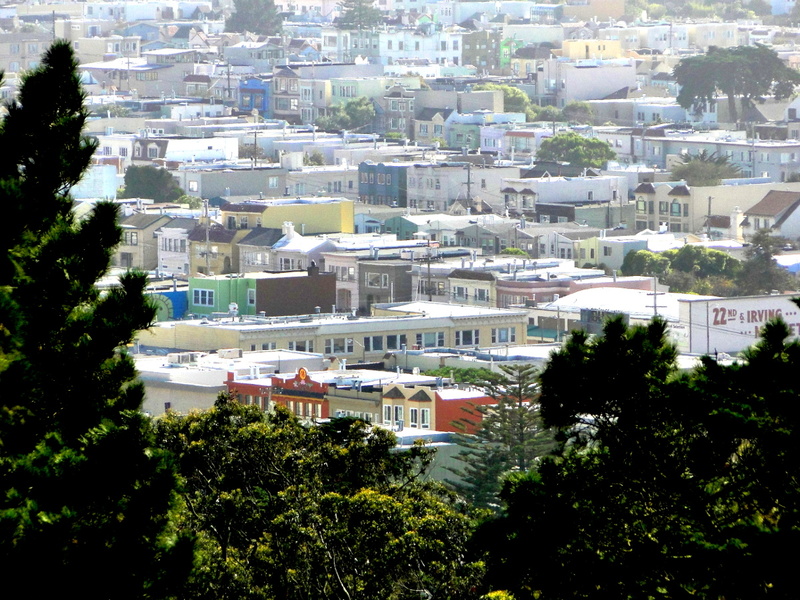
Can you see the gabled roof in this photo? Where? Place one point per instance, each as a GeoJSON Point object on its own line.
{"type": "Point", "coordinates": [645, 188]}
{"type": "Point", "coordinates": [777, 204]}
{"type": "Point", "coordinates": [718, 221]}
{"type": "Point", "coordinates": [216, 234]}
{"type": "Point", "coordinates": [394, 393]}
{"type": "Point", "coordinates": [180, 223]}
{"type": "Point", "coordinates": [680, 190]}
{"type": "Point", "coordinates": [262, 236]}
{"type": "Point", "coordinates": [142, 220]}
{"type": "Point", "coordinates": [427, 114]}
{"type": "Point", "coordinates": [420, 396]}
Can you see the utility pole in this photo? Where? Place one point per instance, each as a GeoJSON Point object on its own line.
{"type": "Point", "coordinates": [430, 289]}
{"type": "Point", "coordinates": [708, 219]}
{"type": "Point", "coordinates": [469, 182]}
{"type": "Point", "coordinates": [208, 235]}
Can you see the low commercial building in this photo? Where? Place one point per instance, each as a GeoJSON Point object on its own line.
{"type": "Point", "coordinates": [392, 326]}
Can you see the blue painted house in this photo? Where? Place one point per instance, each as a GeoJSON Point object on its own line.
{"type": "Point", "coordinates": [383, 183]}
{"type": "Point", "coordinates": [256, 93]}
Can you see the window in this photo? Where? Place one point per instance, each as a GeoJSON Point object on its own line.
{"type": "Point", "coordinates": [387, 414]}
{"type": "Point", "coordinates": [504, 335]}
{"type": "Point", "coordinates": [130, 238]}
{"type": "Point", "coordinates": [398, 413]}
{"type": "Point", "coordinates": [373, 343]}
{"type": "Point", "coordinates": [395, 342]}
{"type": "Point", "coordinates": [606, 251]}
{"type": "Point", "coordinates": [431, 339]}
{"type": "Point", "coordinates": [302, 345]}
{"type": "Point", "coordinates": [482, 295]}
{"type": "Point", "coordinates": [268, 346]}
{"type": "Point", "coordinates": [251, 297]}
{"type": "Point", "coordinates": [273, 182]}
{"type": "Point", "coordinates": [339, 346]}
{"type": "Point", "coordinates": [468, 337]}
{"type": "Point", "coordinates": [203, 297]}
{"type": "Point", "coordinates": [662, 208]}
{"type": "Point", "coordinates": [413, 417]}
{"type": "Point", "coordinates": [425, 418]}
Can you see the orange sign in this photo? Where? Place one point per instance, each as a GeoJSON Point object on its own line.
{"type": "Point", "coordinates": [302, 373]}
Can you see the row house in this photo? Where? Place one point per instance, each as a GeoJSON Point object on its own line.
{"type": "Point", "coordinates": [262, 56]}
{"type": "Point", "coordinates": [436, 186]}
{"type": "Point", "coordinates": [680, 208]}
{"type": "Point", "coordinates": [172, 239]}
{"type": "Point", "coordinates": [383, 183]}
{"type": "Point", "coordinates": [522, 195]}
{"type": "Point", "coordinates": [443, 46]}
{"type": "Point", "coordinates": [348, 44]}
{"type": "Point", "coordinates": [270, 294]}
{"type": "Point", "coordinates": [138, 248]}
{"type": "Point", "coordinates": [464, 129]}
{"type": "Point", "coordinates": [310, 216]}
{"type": "Point", "coordinates": [22, 51]}
{"type": "Point", "coordinates": [561, 81]}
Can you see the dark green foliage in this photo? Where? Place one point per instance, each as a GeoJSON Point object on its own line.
{"type": "Point", "coordinates": [760, 273]}
{"type": "Point", "coordinates": [578, 112]}
{"type": "Point", "coordinates": [86, 500]}
{"type": "Point", "coordinates": [314, 159]}
{"type": "Point", "coordinates": [255, 16]}
{"type": "Point", "coordinates": [576, 149]}
{"type": "Point", "coordinates": [514, 99]}
{"type": "Point", "coordinates": [692, 269]}
{"type": "Point", "coordinates": [354, 115]}
{"type": "Point", "coordinates": [150, 182]}
{"type": "Point", "coordinates": [704, 169]}
{"type": "Point", "coordinates": [330, 511]}
{"type": "Point", "coordinates": [746, 72]}
{"type": "Point", "coordinates": [664, 486]}
{"type": "Point", "coordinates": [359, 14]}
{"type": "Point", "coordinates": [509, 436]}
{"type": "Point", "coordinates": [481, 376]}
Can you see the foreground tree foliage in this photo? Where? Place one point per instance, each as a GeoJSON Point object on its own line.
{"type": "Point", "coordinates": [87, 500]}
{"type": "Point", "coordinates": [665, 486]}
{"type": "Point", "coordinates": [331, 511]}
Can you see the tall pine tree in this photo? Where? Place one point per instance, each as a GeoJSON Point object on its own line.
{"type": "Point", "coordinates": [86, 498]}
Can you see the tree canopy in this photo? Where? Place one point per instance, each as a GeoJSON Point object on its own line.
{"type": "Point", "coordinates": [328, 511]}
{"type": "Point", "coordinates": [87, 499]}
{"type": "Point", "coordinates": [509, 436]}
{"type": "Point", "coordinates": [256, 16]}
{"type": "Point", "coordinates": [151, 182]}
{"type": "Point", "coordinates": [576, 149]}
{"type": "Point", "coordinates": [704, 169]}
{"type": "Point", "coordinates": [359, 14]}
{"type": "Point", "coordinates": [664, 485]}
{"type": "Point", "coordinates": [748, 73]}
{"type": "Point", "coordinates": [514, 99]}
{"type": "Point", "coordinates": [358, 113]}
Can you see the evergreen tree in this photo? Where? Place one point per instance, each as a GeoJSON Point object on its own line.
{"type": "Point", "coordinates": [255, 16]}
{"type": "Point", "coordinates": [705, 169]}
{"type": "Point", "coordinates": [509, 437]}
{"type": "Point", "coordinates": [760, 274]}
{"type": "Point", "coordinates": [359, 14]}
{"type": "Point", "coordinates": [86, 500]}
{"type": "Point", "coordinates": [664, 486]}
{"type": "Point", "coordinates": [150, 182]}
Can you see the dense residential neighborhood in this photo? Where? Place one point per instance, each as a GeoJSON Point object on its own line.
{"type": "Point", "coordinates": [400, 299]}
